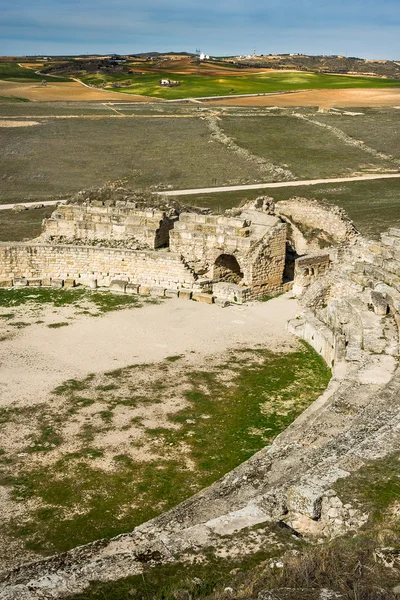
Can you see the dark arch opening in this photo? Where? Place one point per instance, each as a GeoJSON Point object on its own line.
{"type": "Point", "coordinates": [227, 268]}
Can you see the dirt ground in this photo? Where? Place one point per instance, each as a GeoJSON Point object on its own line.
{"type": "Point", "coordinates": [64, 91]}
{"type": "Point", "coordinates": [46, 356]}
{"type": "Point", "coordinates": [322, 98]}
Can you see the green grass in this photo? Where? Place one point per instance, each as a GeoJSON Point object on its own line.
{"type": "Point", "coordinates": [11, 71]}
{"type": "Point", "coordinates": [221, 427]}
{"type": "Point", "coordinates": [104, 301]}
{"type": "Point", "coordinates": [379, 128]}
{"type": "Point", "coordinates": [24, 225]}
{"type": "Point", "coordinates": [51, 159]}
{"type": "Point", "coordinates": [309, 151]}
{"type": "Point", "coordinates": [203, 85]}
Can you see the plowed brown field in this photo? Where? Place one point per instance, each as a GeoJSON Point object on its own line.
{"type": "Point", "coordinates": [67, 91]}
{"type": "Point", "coordinates": [322, 98]}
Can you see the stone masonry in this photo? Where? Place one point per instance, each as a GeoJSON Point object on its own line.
{"type": "Point", "coordinates": [93, 221]}
{"type": "Point", "coordinates": [85, 263]}
{"type": "Point", "coordinates": [248, 250]}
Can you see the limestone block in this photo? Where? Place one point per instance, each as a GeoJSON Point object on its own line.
{"type": "Point", "coordinates": [156, 290]}
{"type": "Point", "coordinates": [305, 500]}
{"type": "Point", "coordinates": [144, 290]}
{"type": "Point", "coordinates": [20, 282]}
{"type": "Point", "coordinates": [46, 282]}
{"type": "Point", "coordinates": [170, 293]}
{"type": "Point", "coordinates": [388, 240]}
{"type": "Point", "coordinates": [34, 282]}
{"type": "Point", "coordinates": [185, 294]}
{"type": "Point", "coordinates": [57, 283]}
{"type": "Point", "coordinates": [132, 288]}
{"type": "Point", "coordinates": [205, 298]}
{"type": "Point", "coordinates": [5, 283]}
{"type": "Point", "coordinates": [118, 285]}
{"type": "Point", "coordinates": [379, 303]}
{"type": "Point", "coordinates": [69, 283]}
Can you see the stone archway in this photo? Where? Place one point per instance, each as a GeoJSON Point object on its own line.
{"type": "Point", "coordinates": [227, 268]}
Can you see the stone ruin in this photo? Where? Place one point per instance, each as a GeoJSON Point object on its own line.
{"type": "Point", "coordinates": [135, 245]}
{"type": "Point", "coordinates": [350, 313]}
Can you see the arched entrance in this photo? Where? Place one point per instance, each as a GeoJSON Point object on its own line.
{"type": "Point", "coordinates": [227, 268]}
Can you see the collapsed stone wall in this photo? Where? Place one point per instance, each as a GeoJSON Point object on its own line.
{"type": "Point", "coordinates": [85, 263]}
{"type": "Point", "coordinates": [313, 225]}
{"type": "Point", "coordinates": [80, 223]}
{"type": "Point", "coordinates": [351, 315]}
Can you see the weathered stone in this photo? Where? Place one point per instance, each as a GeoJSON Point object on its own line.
{"type": "Point", "coordinates": [185, 294]}
{"type": "Point", "coordinates": [204, 298]}
{"type": "Point", "coordinates": [69, 283]}
{"type": "Point", "coordinates": [171, 293]}
{"type": "Point", "coordinates": [6, 283]}
{"type": "Point", "coordinates": [144, 290]}
{"type": "Point", "coordinates": [20, 282]}
{"type": "Point", "coordinates": [57, 283]}
{"type": "Point", "coordinates": [34, 282]}
{"type": "Point", "coordinates": [157, 291]}
{"type": "Point", "coordinates": [118, 285]}
{"type": "Point", "coordinates": [132, 288]}
{"type": "Point", "coordinates": [305, 500]}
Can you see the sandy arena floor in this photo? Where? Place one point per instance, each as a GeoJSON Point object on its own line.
{"type": "Point", "coordinates": [36, 358]}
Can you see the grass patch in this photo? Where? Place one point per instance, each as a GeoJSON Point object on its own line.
{"type": "Point", "coordinates": [220, 427]}
{"type": "Point", "coordinates": [24, 225]}
{"type": "Point", "coordinates": [11, 71]}
{"type": "Point", "coordinates": [12, 99]}
{"type": "Point", "coordinates": [58, 325]}
{"type": "Point", "coordinates": [104, 301]}
{"type": "Point", "coordinates": [321, 153]}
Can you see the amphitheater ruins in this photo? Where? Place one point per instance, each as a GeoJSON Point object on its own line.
{"type": "Point", "coordinates": [349, 291]}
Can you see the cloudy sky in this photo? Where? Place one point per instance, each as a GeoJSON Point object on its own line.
{"type": "Point", "coordinates": [367, 28]}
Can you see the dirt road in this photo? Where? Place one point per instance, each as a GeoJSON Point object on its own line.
{"type": "Point", "coordinates": [259, 186]}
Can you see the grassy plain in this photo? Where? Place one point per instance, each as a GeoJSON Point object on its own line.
{"type": "Point", "coordinates": [199, 85]}
{"type": "Point", "coordinates": [12, 71]}
{"type": "Point", "coordinates": [309, 151]}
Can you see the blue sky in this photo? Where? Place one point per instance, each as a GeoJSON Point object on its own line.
{"type": "Point", "coordinates": [366, 28]}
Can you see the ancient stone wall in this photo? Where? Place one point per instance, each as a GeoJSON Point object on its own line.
{"type": "Point", "coordinates": [84, 263]}
{"type": "Point", "coordinates": [313, 226]}
{"type": "Point", "coordinates": [249, 249]}
{"type": "Point", "coordinates": [147, 228]}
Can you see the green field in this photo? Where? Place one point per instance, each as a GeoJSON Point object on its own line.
{"type": "Point", "coordinates": [203, 85]}
{"type": "Point", "coordinates": [11, 71]}
{"type": "Point", "coordinates": [309, 151]}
